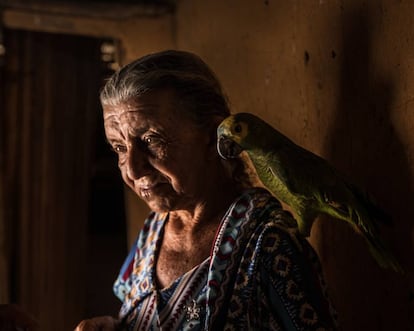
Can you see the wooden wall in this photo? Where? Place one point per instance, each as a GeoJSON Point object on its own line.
{"type": "Point", "coordinates": [335, 76]}
{"type": "Point", "coordinates": [338, 78]}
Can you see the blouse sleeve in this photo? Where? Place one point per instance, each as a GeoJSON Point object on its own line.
{"type": "Point", "coordinates": [122, 284]}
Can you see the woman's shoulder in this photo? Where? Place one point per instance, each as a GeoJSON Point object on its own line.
{"type": "Point", "coordinates": [261, 204]}
{"type": "Point", "coordinates": [258, 213]}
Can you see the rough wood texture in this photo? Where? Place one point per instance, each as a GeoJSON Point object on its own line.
{"type": "Point", "coordinates": [338, 78]}
{"type": "Point", "coordinates": [137, 28]}
{"type": "Point", "coordinates": [100, 10]}
{"type": "Point", "coordinates": [59, 23]}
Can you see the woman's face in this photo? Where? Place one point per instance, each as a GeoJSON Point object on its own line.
{"type": "Point", "coordinates": [163, 157]}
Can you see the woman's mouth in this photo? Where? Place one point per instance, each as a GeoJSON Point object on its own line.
{"type": "Point", "coordinates": [147, 189]}
{"type": "Point", "coordinates": [145, 193]}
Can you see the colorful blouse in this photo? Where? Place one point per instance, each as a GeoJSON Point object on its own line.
{"type": "Point", "coordinates": [261, 275]}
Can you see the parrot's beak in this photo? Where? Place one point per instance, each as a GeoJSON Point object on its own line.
{"type": "Point", "coordinates": [227, 148]}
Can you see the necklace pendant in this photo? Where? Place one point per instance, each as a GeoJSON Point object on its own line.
{"type": "Point", "coordinates": [192, 311]}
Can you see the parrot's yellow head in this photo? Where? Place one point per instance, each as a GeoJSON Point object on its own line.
{"type": "Point", "coordinates": [233, 134]}
{"type": "Point", "coordinates": [247, 132]}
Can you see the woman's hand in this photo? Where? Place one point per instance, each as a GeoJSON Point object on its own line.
{"type": "Point", "coordinates": [12, 317]}
{"type": "Point", "coordinates": [103, 323]}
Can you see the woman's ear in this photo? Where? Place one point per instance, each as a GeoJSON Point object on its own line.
{"type": "Point", "coordinates": [215, 122]}
{"type": "Point", "coordinates": [213, 133]}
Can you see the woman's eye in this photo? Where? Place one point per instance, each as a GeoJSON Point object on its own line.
{"type": "Point", "coordinates": [155, 145]}
{"type": "Point", "coordinates": [152, 140]}
{"type": "Point", "coordinates": [118, 148]}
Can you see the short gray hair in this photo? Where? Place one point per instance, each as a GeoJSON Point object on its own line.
{"type": "Point", "coordinates": [195, 84]}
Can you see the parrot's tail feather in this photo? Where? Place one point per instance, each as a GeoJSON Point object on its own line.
{"type": "Point", "coordinates": [382, 255]}
{"type": "Point", "coordinates": [370, 206]}
{"type": "Point", "coordinates": [369, 230]}
{"type": "Point", "coordinates": [367, 219]}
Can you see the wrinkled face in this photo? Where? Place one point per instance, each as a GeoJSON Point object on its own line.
{"type": "Point", "coordinates": [161, 154]}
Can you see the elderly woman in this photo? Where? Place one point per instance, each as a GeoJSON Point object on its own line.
{"type": "Point", "coordinates": [216, 253]}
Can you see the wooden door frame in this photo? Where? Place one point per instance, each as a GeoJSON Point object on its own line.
{"type": "Point", "coordinates": [101, 20]}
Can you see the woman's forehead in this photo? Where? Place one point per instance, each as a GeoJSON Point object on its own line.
{"type": "Point", "coordinates": [155, 110]}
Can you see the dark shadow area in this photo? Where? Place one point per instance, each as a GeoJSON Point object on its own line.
{"type": "Point", "coordinates": [365, 146]}
{"type": "Point", "coordinates": [63, 196]}
{"type": "Point", "coordinates": [107, 240]}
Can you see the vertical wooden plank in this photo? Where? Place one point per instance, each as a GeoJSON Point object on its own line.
{"type": "Point", "coordinates": [51, 121]}
{"type": "Point", "coordinates": [25, 234]}
{"type": "Point", "coordinates": [11, 141]}
{"type": "Point", "coordinates": [4, 258]}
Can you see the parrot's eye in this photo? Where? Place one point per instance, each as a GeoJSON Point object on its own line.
{"type": "Point", "coordinates": [238, 128]}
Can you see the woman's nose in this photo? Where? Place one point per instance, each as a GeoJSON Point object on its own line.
{"type": "Point", "coordinates": [137, 163]}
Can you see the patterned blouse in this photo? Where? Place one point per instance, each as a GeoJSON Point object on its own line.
{"type": "Point", "coordinates": [261, 275]}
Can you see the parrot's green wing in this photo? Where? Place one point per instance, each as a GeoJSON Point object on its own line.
{"type": "Point", "coordinates": [310, 185]}
{"type": "Point", "coordinates": [308, 177]}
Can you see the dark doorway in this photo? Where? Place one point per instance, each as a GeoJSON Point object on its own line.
{"type": "Point", "coordinates": [63, 196]}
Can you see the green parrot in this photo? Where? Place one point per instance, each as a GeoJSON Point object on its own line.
{"type": "Point", "coordinates": [304, 181]}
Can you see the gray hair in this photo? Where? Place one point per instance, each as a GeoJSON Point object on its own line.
{"type": "Point", "coordinates": [195, 84]}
